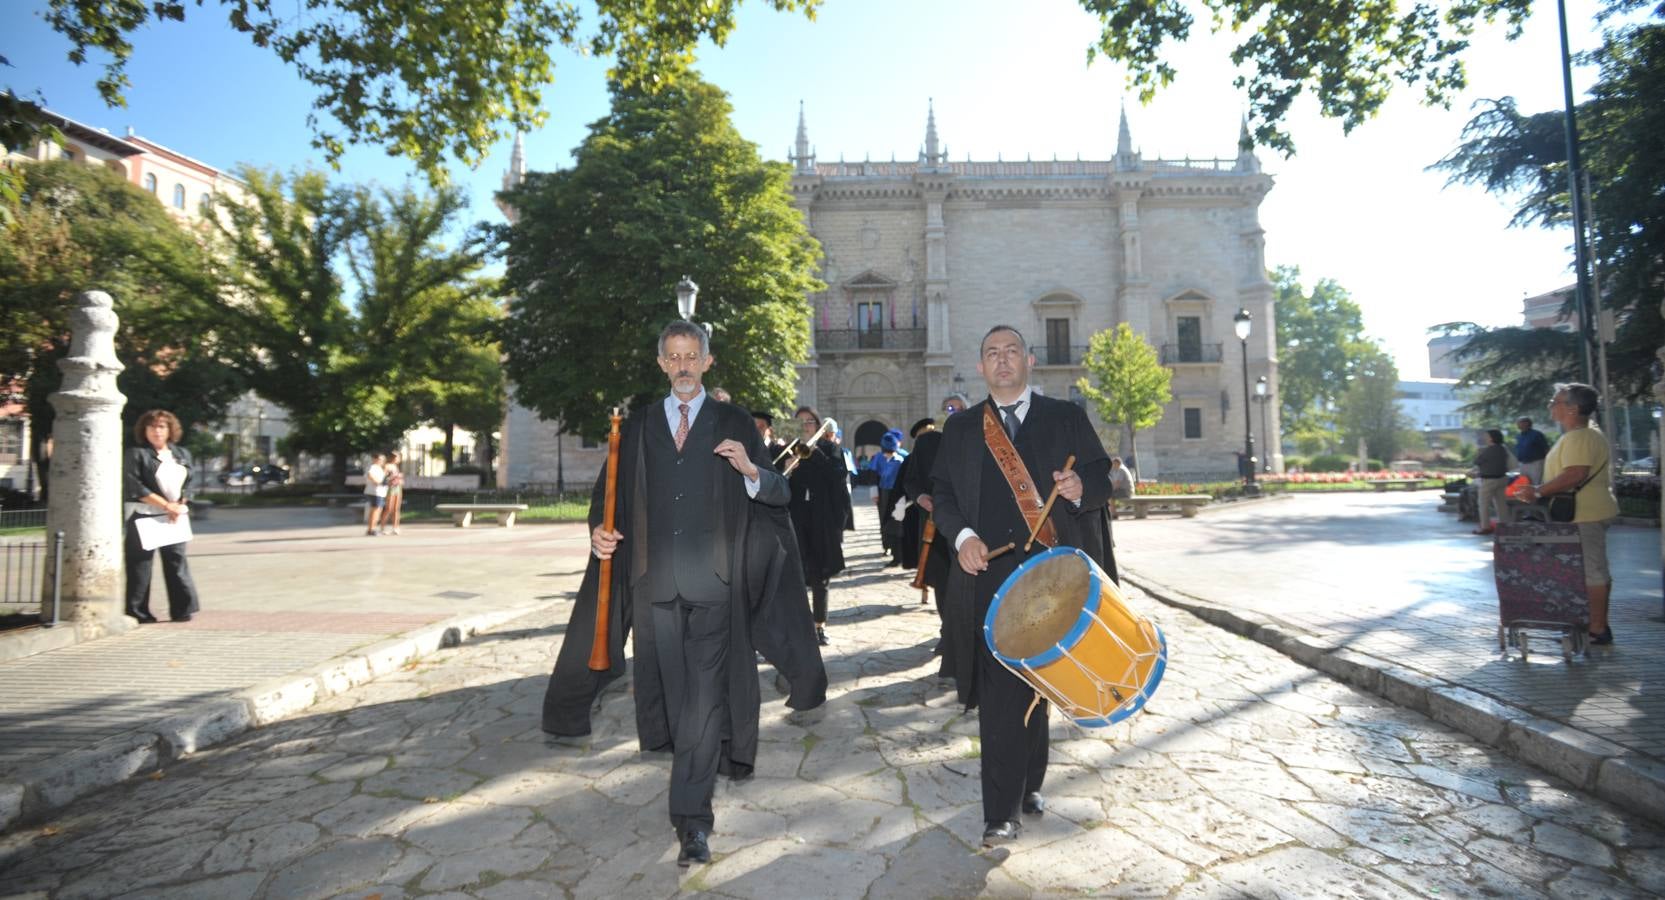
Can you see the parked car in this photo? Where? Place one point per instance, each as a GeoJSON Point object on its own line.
{"type": "Point", "coordinates": [254, 473]}
{"type": "Point", "coordinates": [1647, 465]}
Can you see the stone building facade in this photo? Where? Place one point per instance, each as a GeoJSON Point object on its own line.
{"type": "Point", "coordinates": [922, 257]}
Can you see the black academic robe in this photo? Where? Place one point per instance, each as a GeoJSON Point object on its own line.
{"type": "Point", "coordinates": [916, 481]}
{"type": "Point", "coordinates": [1051, 432]}
{"type": "Point", "coordinates": [755, 554]}
{"type": "Point", "coordinates": [819, 500]}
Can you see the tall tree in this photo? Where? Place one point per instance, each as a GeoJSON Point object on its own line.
{"type": "Point", "coordinates": [1320, 344]}
{"type": "Point", "coordinates": [353, 375]}
{"type": "Point", "coordinates": [74, 228]}
{"type": "Point", "coordinates": [1350, 55]}
{"type": "Point", "coordinates": [664, 186]}
{"type": "Point", "coordinates": [1369, 407]}
{"type": "Point", "coordinates": [1509, 152]}
{"type": "Point", "coordinates": [422, 78]}
{"type": "Point", "coordinates": [1126, 381]}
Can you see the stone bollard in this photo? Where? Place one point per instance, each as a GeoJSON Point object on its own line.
{"type": "Point", "coordinates": [85, 502]}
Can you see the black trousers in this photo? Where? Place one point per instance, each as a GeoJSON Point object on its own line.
{"type": "Point", "coordinates": [691, 642]}
{"type": "Point", "coordinates": [818, 601]}
{"type": "Point", "coordinates": [1014, 755]}
{"type": "Point", "coordinates": [176, 574]}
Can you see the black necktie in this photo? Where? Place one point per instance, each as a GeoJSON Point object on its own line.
{"type": "Point", "coordinates": [1008, 414]}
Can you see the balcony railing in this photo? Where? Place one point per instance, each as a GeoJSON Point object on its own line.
{"type": "Point", "coordinates": [1059, 355]}
{"type": "Point", "coordinates": [841, 340]}
{"type": "Point", "coordinates": [1173, 354]}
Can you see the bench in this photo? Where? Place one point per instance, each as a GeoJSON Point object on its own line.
{"type": "Point", "coordinates": [1188, 503]}
{"type": "Point", "coordinates": [462, 514]}
{"type": "Point", "coordinates": [1409, 484]}
{"type": "Point", "coordinates": [334, 500]}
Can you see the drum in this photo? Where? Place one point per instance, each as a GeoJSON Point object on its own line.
{"type": "Point", "coordinates": [1060, 623]}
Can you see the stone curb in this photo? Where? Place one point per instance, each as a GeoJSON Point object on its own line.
{"type": "Point", "coordinates": [1612, 772]}
{"type": "Point", "coordinates": [35, 791]}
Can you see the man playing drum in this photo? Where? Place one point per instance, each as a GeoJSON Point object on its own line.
{"type": "Point", "coordinates": [985, 496]}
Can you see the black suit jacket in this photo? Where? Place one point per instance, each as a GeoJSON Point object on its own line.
{"type": "Point", "coordinates": [138, 472]}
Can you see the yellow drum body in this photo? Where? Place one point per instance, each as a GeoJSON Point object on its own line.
{"type": "Point", "coordinates": [1060, 623]}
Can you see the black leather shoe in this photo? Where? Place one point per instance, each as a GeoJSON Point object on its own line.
{"type": "Point", "coordinates": [695, 849]}
{"type": "Point", "coordinates": [1001, 832]}
{"type": "Point", "coordinates": [1606, 637]}
{"type": "Point", "coordinates": [821, 636]}
{"type": "Point", "coordinates": [144, 618]}
{"type": "Point", "coordinates": [1033, 803]}
{"type": "Point", "coordinates": [184, 618]}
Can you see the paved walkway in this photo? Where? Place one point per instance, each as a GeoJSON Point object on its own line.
{"type": "Point", "coordinates": [1390, 576]}
{"type": "Point", "coordinates": [1251, 775]}
{"type": "Point", "coordinates": [282, 590]}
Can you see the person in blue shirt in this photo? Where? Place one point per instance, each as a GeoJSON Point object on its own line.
{"type": "Point", "coordinates": [887, 464]}
{"type": "Point", "coordinates": [1531, 448]}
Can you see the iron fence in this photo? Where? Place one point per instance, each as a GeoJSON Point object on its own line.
{"type": "Point", "coordinates": [22, 518]}
{"type": "Point", "coordinates": [23, 574]}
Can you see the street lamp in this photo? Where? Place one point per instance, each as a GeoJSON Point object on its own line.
{"type": "Point", "coordinates": [687, 294]}
{"type": "Point", "coordinates": [1263, 394]}
{"type": "Point", "coordinates": [1242, 323]}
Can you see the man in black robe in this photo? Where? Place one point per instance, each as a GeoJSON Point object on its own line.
{"type": "Point", "coordinates": [701, 576]}
{"type": "Point", "coordinates": [976, 511]}
{"type": "Point", "coordinates": [913, 517]}
{"type": "Point", "coordinates": [820, 498]}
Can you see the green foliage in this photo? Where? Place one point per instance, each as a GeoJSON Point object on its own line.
{"type": "Point", "coordinates": [1329, 462]}
{"type": "Point", "coordinates": [422, 78]}
{"type": "Point", "coordinates": [1349, 54]}
{"type": "Point", "coordinates": [352, 376]}
{"type": "Point", "coordinates": [75, 228]}
{"type": "Point", "coordinates": [1509, 152]}
{"type": "Point", "coordinates": [664, 186]}
{"type": "Point", "coordinates": [1320, 344]}
{"type": "Point", "coordinates": [1125, 381]}
{"type": "Point", "coordinates": [1369, 407]}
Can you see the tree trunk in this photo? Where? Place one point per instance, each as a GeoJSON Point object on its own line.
{"type": "Point", "coordinates": [41, 461]}
{"type": "Point", "coordinates": [338, 469]}
{"type": "Point", "coordinates": [450, 443]}
{"type": "Point", "coordinates": [487, 460]}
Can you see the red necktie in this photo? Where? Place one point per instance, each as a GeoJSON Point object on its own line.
{"type": "Point", "coordinates": [682, 426]}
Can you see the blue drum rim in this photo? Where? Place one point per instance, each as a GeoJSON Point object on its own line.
{"type": "Point", "coordinates": [1145, 690]}
{"type": "Point", "coordinates": [1056, 652]}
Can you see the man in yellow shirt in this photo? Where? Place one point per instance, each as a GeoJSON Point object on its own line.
{"type": "Point", "coordinates": [1581, 461]}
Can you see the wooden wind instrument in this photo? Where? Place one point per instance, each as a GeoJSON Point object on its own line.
{"type": "Point", "coordinates": [927, 536]}
{"type": "Point", "coordinates": [601, 659]}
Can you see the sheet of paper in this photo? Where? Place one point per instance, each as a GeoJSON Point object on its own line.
{"type": "Point", "coordinates": [157, 531]}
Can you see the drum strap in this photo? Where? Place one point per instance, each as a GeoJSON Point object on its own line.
{"type": "Point", "coordinates": [1017, 476]}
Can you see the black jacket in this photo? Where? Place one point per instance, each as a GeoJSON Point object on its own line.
{"type": "Point", "coordinates": [138, 472]}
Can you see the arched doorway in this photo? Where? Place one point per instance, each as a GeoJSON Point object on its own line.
{"type": "Point", "coordinates": [869, 433]}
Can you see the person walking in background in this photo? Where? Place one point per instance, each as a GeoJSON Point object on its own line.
{"type": "Point", "coordinates": [375, 490]}
{"type": "Point", "coordinates": [156, 481]}
{"type": "Point", "coordinates": [820, 494]}
{"type": "Point", "coordinates": [1531, 447]}
{"type": "Point", "coordinates": [1578, 464]}
{"type": "Point", "coordinates": [1121, 483]}
{"type": "Point", "coordinates": [1491, 466]}
{"type": "Point", "coordinates": [886, 465]}
{"type": "Point", "coordinates": [395, 493]}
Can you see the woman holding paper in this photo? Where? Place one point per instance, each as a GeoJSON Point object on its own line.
{"type": "Point", "coordinates": [155, 479]}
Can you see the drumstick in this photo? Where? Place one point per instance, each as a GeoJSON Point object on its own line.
{"type": "Point", "coordinates": [999, 550]}
{"type": "Point", "coordinates": [1047, 509]}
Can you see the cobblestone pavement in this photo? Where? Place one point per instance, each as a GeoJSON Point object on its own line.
{"type": "Point", "coordinates": [1249, 776]}
{"type": "Point", "coordinates": [282, 590]}
{"type": "Point", "coordinates": [1390, 576]}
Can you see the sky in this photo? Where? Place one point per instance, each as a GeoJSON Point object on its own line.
{"type": "Point", "coordinates": [1006, 78]}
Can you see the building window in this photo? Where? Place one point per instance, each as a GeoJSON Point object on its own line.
{"type": "Point", "coordinates": [588, 443]}
{"type": "Point", "coordinates": [870, 323]}
{"type": "Point", "coordinates": [179, 196]}
{"type": "Point", "coordinates": [1057, 342]}
{"type": "Point", "coordinates": [150, 183]}
{"type": "Point", "coordinates": [1193, 423]}
{"type": "Point", "coordinates": [205, 204]}
{"type": "Point", "coordinates": [67, 155]}
{"type": "Point", "coordinates": [11, 442]}
{"type": "Point", "coordinates": [1190, 338]}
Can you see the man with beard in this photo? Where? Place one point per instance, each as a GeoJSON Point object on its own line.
{"type": "Point", "coordinates": [981, 504]}
{"type": "Point", "coordinates": [697, 572]}
{"type": "Point", "coordinates": [820, 494]}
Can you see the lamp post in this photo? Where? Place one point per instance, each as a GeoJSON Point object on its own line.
{"type": "Point", "coordinates": [1263, 395]}
{"type": "Point", "coordinates": [1242, 323]}
{"type": "Point", "coordinates": [687, 294]}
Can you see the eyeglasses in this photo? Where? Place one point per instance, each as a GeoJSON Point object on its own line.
{"type": "Point", "coordinates": [677, 359]}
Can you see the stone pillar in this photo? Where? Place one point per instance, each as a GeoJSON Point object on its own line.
{"type": "Point", "coordinates": [85, 502]}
